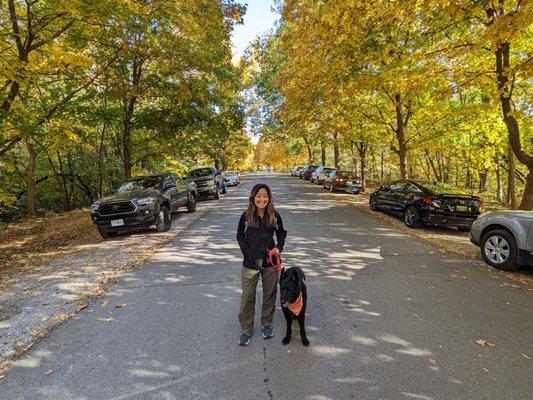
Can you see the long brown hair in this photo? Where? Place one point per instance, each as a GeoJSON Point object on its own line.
{"type": "Point", "coordinates": [270, 213]}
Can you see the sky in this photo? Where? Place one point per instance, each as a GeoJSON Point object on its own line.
{"type": "Point", "coordinates": [259, 18]}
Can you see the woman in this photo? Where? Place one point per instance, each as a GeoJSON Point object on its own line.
{"type": "Point", "coordinates": [255, 235]}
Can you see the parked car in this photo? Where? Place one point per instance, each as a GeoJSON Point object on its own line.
{"type": "Point", "coordinates": [424, 202]}
{"type": "Point", "coordinates": [346, 181]}
{"type": "Point", "coordinates": [232, 178]}
{"type": "Point", "coordinates": [295, 171]}
{"type": "Point", "coordinates": [324, 174]}
{"type": "Point", "coordinates": [301, 171]}
{"type": "Point", "coordinates": [142, 202]}
{"type": "Point", "coordinates": [314, 174]}
{"type": "Point", "coordinates": [505, 238]}
{"type": "Point", "coordinates": [209, 181]}
{"type": "Point", "coordinates": [308, 171]}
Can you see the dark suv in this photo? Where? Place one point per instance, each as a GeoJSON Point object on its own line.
{"type": "Point", "coordinates": [142, 202]}
{"type": "Point", "coordinates": [209, 181]}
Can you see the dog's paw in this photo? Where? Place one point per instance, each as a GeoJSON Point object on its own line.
{"type": "Point", "coordinates": [286, 340]}
{"type": "Point", "coordinates": [305, 342]}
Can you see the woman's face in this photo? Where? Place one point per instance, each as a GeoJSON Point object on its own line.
{"type": "Point", "coordinates": [261, 199]}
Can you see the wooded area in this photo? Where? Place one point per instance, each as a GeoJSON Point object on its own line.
{"type": "Point", "coordinates": [435, 89]}
{"type": "Point", "coordinates": [95, 91]}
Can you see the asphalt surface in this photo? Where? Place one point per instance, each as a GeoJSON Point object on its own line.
{"type": "Point", "coordinates": [389, 317]}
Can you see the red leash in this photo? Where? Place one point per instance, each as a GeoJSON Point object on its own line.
{"type": "Point", "coordinates": [274, 258]}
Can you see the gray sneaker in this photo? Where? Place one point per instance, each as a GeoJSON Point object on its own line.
{"type": "Point", "coordinates": [267, 332]}
{"type": "Point", "coordinates": [244, 339]}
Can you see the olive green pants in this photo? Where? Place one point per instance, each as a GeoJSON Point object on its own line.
{"type": "Point", "coordinates": [269, 280]}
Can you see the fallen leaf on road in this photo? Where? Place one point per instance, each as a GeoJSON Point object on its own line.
{"type": "Point", "coordinates": [482, 342]}
{"type": "Point", "coordinates": [104, 303]}
{"type": "Point", "coordinates": [81, 308]}
{"type": "Point", "coordinates": [432, 361]}
{"type": "Point", "coordinates": [48, 371]}
{"type": "Point", "coordinates": [526, 356]}
{"type": "Point", "coordinates": [109, 319]}
{"type": "Point", "coordinates": [485, 369]}
{"type": "Point", "coordinates": [121, 305]}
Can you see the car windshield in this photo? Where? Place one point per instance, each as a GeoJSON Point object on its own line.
{"type": "Point", "coordinates": [346, 174]}
{"type": "Point", "coordinates": [151, 182]}
{"type": "Point", "coordinates": [329, 170]}
{"type": "Point", "coordinates": [439, 187]}
{"type": "Point", "coordinates": [195, 173]}
{"type": "Point", "coordinates": [230, 173]}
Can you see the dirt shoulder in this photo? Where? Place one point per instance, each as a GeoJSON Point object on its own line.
{"type": "Point", "coordinates": [53, 267]}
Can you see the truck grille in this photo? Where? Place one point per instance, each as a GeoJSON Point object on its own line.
{"type": "Point", "coordinates": [201, 184]}
{"type": "Point", "coordinates": [117, 208]}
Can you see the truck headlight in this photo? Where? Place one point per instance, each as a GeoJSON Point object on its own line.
{"type": "Point", "coordinates": [146, 201]}
{"type": "Point", "coordinates": [95, 206]}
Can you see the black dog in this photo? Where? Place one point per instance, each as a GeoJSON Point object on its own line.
{"type": "Point", "coordinates": [293, 301]}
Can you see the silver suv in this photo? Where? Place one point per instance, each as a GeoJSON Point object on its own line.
{"type": "Point", "coordinates": [505, 238]}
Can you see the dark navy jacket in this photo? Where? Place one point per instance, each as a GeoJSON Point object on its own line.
{"type": "Point", "coordinates": [256, 242]}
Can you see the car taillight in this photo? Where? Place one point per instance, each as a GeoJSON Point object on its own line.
{"type": "Point", "coordinates": [431, 202]}
{"type": "Point", "coordinates": [358, 181]}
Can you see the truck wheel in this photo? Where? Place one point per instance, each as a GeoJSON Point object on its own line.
{"type": "Point", "coordinates": [164, 221]}
{"type": "Point", "coordinates": [107, 234]}
{"type": "Point", "coordinates": [217, 193]}
{"type": "Point", "coordinates": [191, 204]}
{"type": "Point", "coordinates": [499, 250]}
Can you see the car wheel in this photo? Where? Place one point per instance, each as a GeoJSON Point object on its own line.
{"type": "Point", "coordinates": [499, 250]}
{"type": "Point", "coordinates": [224, 190]}
{"type": "Point", "coordinates": [374, 204]}
{"type": "Point", "coordinates": [107, 234]}
{"type": "Point", "coordinates": [411, 217]}
{"type": "Point", "coordinates": [191, 204]}
{"type": "Point", "coordinates": [164, 220]}
{"type": "Point", "coordinates": [217, 193]}
{"type": "Point", "coordinates": [332, 188]}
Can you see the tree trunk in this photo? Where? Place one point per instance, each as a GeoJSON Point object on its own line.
{"type": "Point", "coordinates": [499, 187]}
{"type": "Point", "coordinates": [336, 150]}
{"type": "Point", "coordinates": [505, 91]}
{"type": "Point", "coordinates": [323, 151]}
{"type": "Point", "coordinates": [511, 180]}
{"type": "Point", "coordinates": [483, 177]}
{"type": "Point", "coordinates": [381, 172]}
{"type": "Point", "coordinates": [29, 177]}
{"type": "Point", "coordinates": [401, 124]}
{"type": "Point", "coordinates": [362, 149]}
{"type": "Point", "coordinates": [354, 157]}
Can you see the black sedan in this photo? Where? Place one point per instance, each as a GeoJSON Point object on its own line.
{"type": "Point", "coordinates": [424, 202]}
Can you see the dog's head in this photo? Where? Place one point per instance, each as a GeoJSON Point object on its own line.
{"type": "Point", "coordinates": [289, 286]}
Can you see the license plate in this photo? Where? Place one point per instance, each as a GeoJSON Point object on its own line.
{"type": "Point", "coordinates": [349, 183]}
{"type": "Point", "coordinates": [117, 222]}
{"type": "Point", "coordinates": [461, 208]}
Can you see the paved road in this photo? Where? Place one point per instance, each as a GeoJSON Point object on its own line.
{"type": "Point", "coordinates": [389, 317]}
